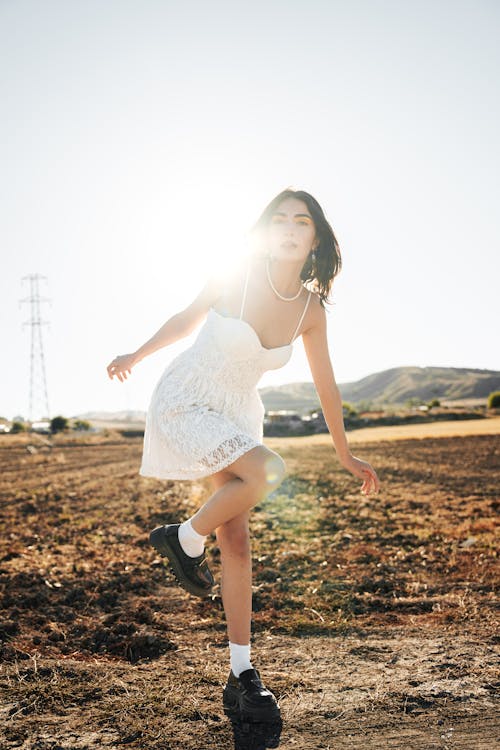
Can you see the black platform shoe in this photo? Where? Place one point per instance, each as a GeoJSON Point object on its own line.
{"type": "Point", "coordinates": [192, 573]}
{"type": "Point", "coordinates": [253, 710]}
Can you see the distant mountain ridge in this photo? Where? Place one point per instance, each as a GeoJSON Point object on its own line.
{"type": "Point", "coordinates": [114, 416]}
{"type": "Point", "coordinates": [401, 383]}
{"type": "Point", "coordinates": [391, 387]}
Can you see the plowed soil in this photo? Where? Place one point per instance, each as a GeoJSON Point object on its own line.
{"type": "Point", "coordinates": [374, 618]}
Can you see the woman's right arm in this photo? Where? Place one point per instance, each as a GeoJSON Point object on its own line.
{"type": "Point", "coordinates": [177, 327]}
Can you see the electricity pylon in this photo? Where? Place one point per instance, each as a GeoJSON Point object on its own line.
{"type": "Point", "coordinates": [38, 378]}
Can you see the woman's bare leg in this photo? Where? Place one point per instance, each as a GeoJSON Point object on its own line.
{"type": "Point", "coordinates": [255, 474]}
{"type": "Point", "coordinates": [233, 538]}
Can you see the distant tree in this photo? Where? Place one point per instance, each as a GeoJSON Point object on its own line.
{"type": "Point", "coordinates": [434, 402]}
{"type": "Point", "coordinates": [58, 424]}
{"type": "Point", "coordinates": [81, 424]}
{"type": "Point", "coordinates": [18, 427]}
{"type": "Point", "coordinates": [494, 400]}
{"type": "Point", "coordinates": [410, 403]}
{"type": "Point", "coordinates": [364, 405]}
{"type": "Point", "coordinates": [350, 409]}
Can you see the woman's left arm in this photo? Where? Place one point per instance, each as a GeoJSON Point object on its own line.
{"type": "Point", "coordinates": [316, 348]}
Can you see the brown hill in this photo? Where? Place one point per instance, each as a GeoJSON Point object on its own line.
{"type": "Point", "coordinates": [393, 387]}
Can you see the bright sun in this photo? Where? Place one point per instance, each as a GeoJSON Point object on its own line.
{"type": "Point", "coordinates": [212, 223]}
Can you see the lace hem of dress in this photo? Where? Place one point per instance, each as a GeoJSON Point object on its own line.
{"type": "Point", "coordinates": [225, 454]}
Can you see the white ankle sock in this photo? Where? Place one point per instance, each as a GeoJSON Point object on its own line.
{"type": "Point", "coordinates": [240, 658]}
{"type": "Point", "coordinates": [191, 542]}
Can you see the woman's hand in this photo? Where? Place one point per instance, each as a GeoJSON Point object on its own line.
{"type": "Point", "coordinates": [121, 365]}
{"type": "Point", "coordinates": [363, 470]}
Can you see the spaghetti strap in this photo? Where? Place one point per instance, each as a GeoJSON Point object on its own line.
{"type": "Point", "coordinates": [301, 317]}
{"type": "Point", "coordinates": [245, 290]}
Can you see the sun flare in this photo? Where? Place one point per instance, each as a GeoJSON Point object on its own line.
{"type": "Point", "coordinates": [213, 225]}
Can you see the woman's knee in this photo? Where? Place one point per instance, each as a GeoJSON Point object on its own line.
{"type": "Point", "coordinates": [275, 470]}
{"type": "Point", "coordinates": [268, 474]}
{"type": "Point", "coordinates": [262, 468]}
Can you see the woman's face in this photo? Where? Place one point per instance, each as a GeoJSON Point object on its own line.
{"type": "Point", "coordinates": [291, 234]}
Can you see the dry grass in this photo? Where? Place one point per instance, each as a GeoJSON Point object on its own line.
{"type": "Point", "coordinates": [422, 431]}
{"type": "Point", "coordinates": [374, 618]}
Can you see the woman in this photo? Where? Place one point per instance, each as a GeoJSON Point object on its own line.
{"type": "Point", "coordinates": [205, 417]}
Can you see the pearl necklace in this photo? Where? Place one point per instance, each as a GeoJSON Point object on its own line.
{"type": "Point", "coordinates": [285, 299]}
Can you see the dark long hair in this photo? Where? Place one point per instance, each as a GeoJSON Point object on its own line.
{"type": "Point", "coordinates": [328, 259]}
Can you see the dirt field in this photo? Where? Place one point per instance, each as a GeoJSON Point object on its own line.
{"type": "Point", "coordinates": [374, 617]}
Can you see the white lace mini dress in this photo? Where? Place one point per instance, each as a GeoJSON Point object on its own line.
{"type": "Point", "coordinates": [205, 411]}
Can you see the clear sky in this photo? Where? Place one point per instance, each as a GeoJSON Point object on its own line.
{"type": "Point", "coordinates": [139, 141]}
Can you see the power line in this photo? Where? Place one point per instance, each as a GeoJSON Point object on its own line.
{"type": "Point", "coordinates": [38, 379]}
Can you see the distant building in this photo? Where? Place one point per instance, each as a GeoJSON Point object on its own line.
{"type": "Point", "coordinates": [42, 426]}
{"type": "Point", "coordinates": [285, 422]}
{"type": "Point", "coordinates": [283, 416]}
